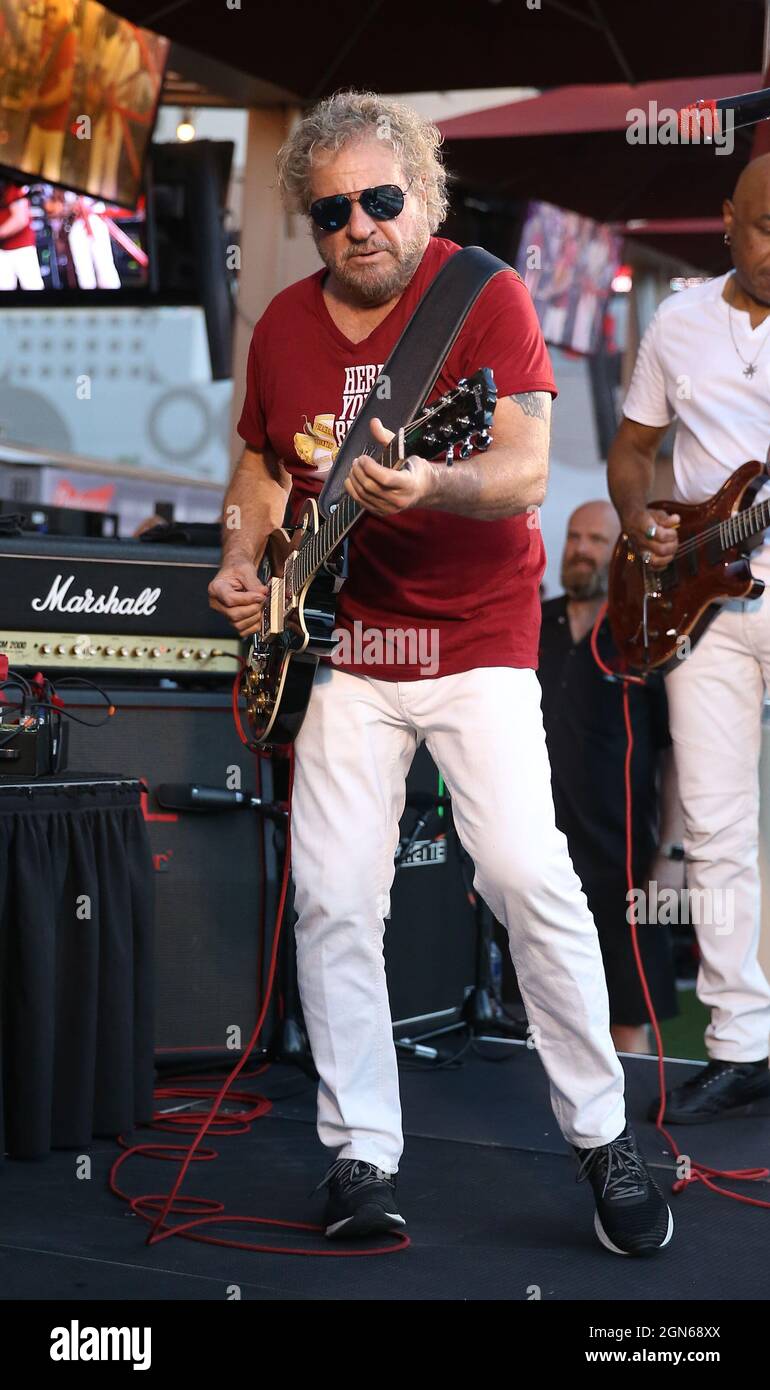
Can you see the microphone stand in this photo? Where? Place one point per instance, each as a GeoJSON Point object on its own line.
{"type": "Point", "coordinates": [289, 1041]}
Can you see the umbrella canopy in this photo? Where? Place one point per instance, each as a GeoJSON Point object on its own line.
{"type": "Point", "coordinates": [697, 240]}
{"type": "Point", "coordinates": [570, 147]}
{"type": "Point", "coordinates": [310, 49]}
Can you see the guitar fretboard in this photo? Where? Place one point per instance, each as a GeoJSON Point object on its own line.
{"type": "Point", "coordinates": [315, 550]}
{"type": "Point", "coordinates": [743, 525]}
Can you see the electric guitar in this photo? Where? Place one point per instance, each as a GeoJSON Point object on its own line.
{"type": "Point", "coordinates": [657, 615]}
{"type": "Point", "coordinates": [303, 571]}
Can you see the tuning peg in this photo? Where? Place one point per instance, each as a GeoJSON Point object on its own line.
{"type": "Point", "coordinates": [483, 440]}
{"type": "Point", "coordinates": [466, 449]}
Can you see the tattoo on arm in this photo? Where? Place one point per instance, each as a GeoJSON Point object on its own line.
{"type": "Point", "coordinates": [532, 403]}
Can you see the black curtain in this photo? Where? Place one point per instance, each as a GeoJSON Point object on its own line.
{"type": "Point", "coordinates": [76, 964]}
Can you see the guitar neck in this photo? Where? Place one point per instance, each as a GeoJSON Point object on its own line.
{"type": "Point", "coordinates": [463, 416]}
{"type": "Point", "coordinates": [316, 549]}
{"type": "Point", "coordinates": [743, 525]}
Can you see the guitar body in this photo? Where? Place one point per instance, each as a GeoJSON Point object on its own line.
{"type": "Point", "coordinates": [281, 667]}
{"type": "Point", "coordinates": [651, 611]}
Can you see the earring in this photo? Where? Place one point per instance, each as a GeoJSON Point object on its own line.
{"type": "Point", "coordinates": [727, 238]}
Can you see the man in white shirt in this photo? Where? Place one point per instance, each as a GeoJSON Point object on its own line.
{"type": "Point", "coordinates": [705, 360]}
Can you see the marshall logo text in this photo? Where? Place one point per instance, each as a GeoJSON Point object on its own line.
{"type": "Point", "coordinates": [59, 600]}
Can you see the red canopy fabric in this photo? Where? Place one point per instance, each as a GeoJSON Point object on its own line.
{"type": "Point", "coordinates": [565, 110]}
{"type": "Point", "coordinates": [569, 146]}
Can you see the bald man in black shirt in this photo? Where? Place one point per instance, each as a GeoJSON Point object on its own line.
{"type": "Point", "coordinates": [586, 737]}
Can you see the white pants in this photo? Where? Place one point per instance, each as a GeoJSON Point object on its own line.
{"type": "Point", "coordinates": [106, 144]}
{"type": "Point", "coordinates": [484, 730]}
{"type": "Point", "coordinates": [43, 152]}
{"type": "Point", "coordinates": [715, 708]}
{"type": "Point", "coordinates": [20, 266]}
{"type": "Point", "coordinates": [91, 252]}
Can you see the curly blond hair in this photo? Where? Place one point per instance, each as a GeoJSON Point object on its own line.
{"type": "Point", "coordinates": [346, 116]}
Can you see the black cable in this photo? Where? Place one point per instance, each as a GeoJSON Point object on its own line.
{"type": "Point", "coordinates": [89, 723]}
{"type": "Point", "coordinates": [22, 685]}
{"type": "Point", "coordinates": [15, 731]}
{"type": "Point", "coordinates": [81, 680]}
{"type": "Point", "coordinates": [434, 1064]}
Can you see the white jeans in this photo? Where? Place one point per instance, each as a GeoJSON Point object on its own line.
{"type": "Point", "coordinates": [43, 152]}
{"type": "Point", "coordinates": [20, 266]}
{"type": "Point", "coordinates": [91, 251]}
{"type": "Point", "coordinates": [715, 708]}
{"type": "Point", "coordinates": [484, 730]}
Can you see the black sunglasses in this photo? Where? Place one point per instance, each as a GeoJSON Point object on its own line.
{"type": "Point", "coordinates": [382, 203]}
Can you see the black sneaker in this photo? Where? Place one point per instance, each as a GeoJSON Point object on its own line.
{"type": "Point", "coordinates": [361, 1201]}
{"type": "Point", "coordinates": [721, 1090]}
{"type": "Point", "coordinates": [632, 1215]}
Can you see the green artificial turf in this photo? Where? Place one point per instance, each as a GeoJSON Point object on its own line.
{"type": "Point", "coordinates": [683, 1035]}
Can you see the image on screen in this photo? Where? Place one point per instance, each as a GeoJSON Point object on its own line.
{"type": "Point", "coordinates": [54, 239]}
{"type": "Point", "coordinates": [567, 263]}
{"type": "Point", "coordinates": [79, 91]}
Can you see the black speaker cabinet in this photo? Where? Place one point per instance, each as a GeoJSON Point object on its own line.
{"type": "Point", "coordinates": [206, 863]}
{"type": "Point", "coordinates": [429, 938]}
{"type": "Point", "coordinates": [209, 908]}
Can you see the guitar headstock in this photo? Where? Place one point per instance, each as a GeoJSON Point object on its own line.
{"type": "Point", "coordinates": [463, 416]}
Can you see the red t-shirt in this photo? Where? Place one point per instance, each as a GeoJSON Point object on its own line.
{"type": "Point", "coordinates": [11, 193]}
{"type": "Point", "coordinates": [467, 589]}
{"type": "Point", "coordinates": [63, 46]}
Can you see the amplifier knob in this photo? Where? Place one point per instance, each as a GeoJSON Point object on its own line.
{"type": "Point", "coordinates": [61, 649]}
{"type": "Point", "coordinates": [185, 653]}
{"type": "Point", "coordinates": [45, 649]}
{"type": "Point", "coordinates": [157, 651]}
{"type": "Point", "coordinates": [124, 652]}
{"type": "Point", "coordinates": [203, 654]}
{"type": "Point", "coordinates": [109, 651]}
{"type": "Point", "coordinates": [140, 651]}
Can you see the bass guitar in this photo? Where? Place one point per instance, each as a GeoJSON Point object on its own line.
{"type": "Point", "coordinates": [302, 570]}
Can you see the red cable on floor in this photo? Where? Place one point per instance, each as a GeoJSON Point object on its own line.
{"type": "Point", "coordinates": [233, 1122]}
{"type": "Point", "coordinates": [699, 1172]}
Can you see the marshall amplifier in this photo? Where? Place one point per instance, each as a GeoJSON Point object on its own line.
{"type": "Point", "coordinates": [100, 606]}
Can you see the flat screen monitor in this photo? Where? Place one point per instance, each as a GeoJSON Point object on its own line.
{"type": "Point", "coordinates": [59, 241]}
{"type": "Point", "coordinates": [79, 92]}
{"type": "Point", "coordinates": [567, 263]}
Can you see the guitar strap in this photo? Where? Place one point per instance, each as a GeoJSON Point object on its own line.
{"type": "Point", "coordinates": [414, 364]}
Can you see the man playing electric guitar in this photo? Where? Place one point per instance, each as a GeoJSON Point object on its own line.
{"type": "Point", "coordinates": [705, 359]}
{"type": "Point", "coordinates": [455, 555]}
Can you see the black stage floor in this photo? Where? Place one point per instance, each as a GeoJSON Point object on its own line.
{"type": "Point", "coordinates": [487, 1185]}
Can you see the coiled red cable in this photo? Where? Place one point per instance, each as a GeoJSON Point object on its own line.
{"type": "Point", "coordinates": [155, 1208]}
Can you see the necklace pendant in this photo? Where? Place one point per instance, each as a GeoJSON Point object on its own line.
{"type": "Point", "coordinates": [750, 371]}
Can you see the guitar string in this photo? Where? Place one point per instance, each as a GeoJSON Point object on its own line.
{"type": "Point", "coordinates": [695, 541]}
{"type": "Point", "coordinates": [309, 547]}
